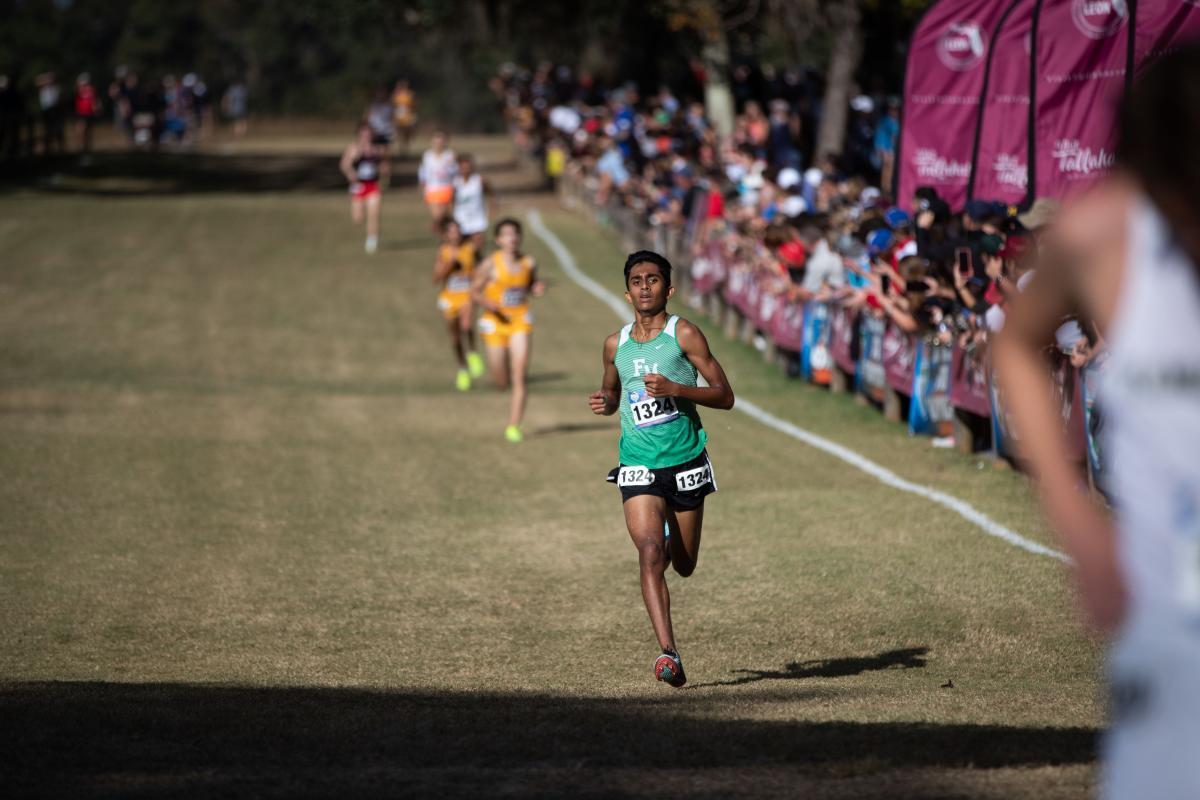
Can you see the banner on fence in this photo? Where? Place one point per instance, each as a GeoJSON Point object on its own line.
{"type": "Point", "coordinates": [872, 381]}
{"type": "Point", "coordinates": [787, 327]}
{"type": "Point", "coordinates": [969, 381]}
{"type": "Point", "coordinates": [1093, 418]}
{"type": "Point", "coordinates": [815, 361]}
{"type": "Point", "coordinates": [899, 357]}
{"type": "Point", "coordinates": [841, 341]}
{"type": "Point", "coordinates": [930, 409]}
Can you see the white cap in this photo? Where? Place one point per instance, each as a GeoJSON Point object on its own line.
{"type": "Point", "coordinates": [863, 103]}
{"type": "Point", "coordinates": [910, 249]}
{"type": "Point", "coordinates": [868, 194]}
{"type": "Point", "coordinates": [793, 206]}
{"type": "Point", "coordinates": [813, 176]}
{"type": "Point", "coordinates": [788, 177]}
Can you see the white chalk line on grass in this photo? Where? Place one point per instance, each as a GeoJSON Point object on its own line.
{"type": "Point", "coordinates": [882, 474]}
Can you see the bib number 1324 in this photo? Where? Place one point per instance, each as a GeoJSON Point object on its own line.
{"type": "Point", "coordinates": [648, 411]}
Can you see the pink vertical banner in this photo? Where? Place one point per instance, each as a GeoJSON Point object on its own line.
{"type": "Point", "coordinates": [1001, 165]}
{"type": "Point", "coordinates": [1081, 50]}
{"type": "Point", "coordinates": [1163, 26]}
{"type": "Point", "coordinates": [942, 84]}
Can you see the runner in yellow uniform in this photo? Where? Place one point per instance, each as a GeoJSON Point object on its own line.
{"type": "Point", "coordinates": [452, 271]}
{"type": "Point", "coordinates": [501, 286]}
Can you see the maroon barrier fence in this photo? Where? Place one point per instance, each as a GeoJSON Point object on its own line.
{"type": "Point", "coordinates": [899, 358]}
{"type": "Point", "coordinates": [843, 325]}
{"type": "Point", "coordinates": [969, 381]}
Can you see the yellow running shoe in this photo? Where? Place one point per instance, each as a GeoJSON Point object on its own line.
{"type": "Point", "coordinates": [462, 381]}
{"type": "Point", "coordinates": [513, 434]}
{"type": "Point", "coordinates": [475, 364]}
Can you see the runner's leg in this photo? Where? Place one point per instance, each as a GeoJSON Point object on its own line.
{"type": "Point", "coordinates": [519, 349]}
{"type": "Point", "coordinates": [497, 363]}
{"type": "Point", "coordinates": [644, 516]}
{"type": "Point", "coordinates": [685, 539]}
{"type": "Point", "coordinates": [454, 326]}
{"type": "Point", "coordinates": [356, 211]}
{"type": "Point", "coordinates": [373, 204]}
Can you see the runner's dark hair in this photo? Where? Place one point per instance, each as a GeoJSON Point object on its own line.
{"type": "Point", "coordinates": [506, 221]}
{"type": "Point", "coordinates": [648, 257]}
{"type": "Point", "coordinates": [1157, 118]}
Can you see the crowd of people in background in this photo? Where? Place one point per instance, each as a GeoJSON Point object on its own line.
{"type": "Point", "coordinates": [34, 119]}
{"type": "Point", "coordinates": [810, 226]}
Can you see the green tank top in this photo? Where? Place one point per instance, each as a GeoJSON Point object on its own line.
{"type": "Point", "coordinates": [656, 432]}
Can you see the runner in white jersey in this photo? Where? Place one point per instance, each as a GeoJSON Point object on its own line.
{"type": "Point", "coordinates": [471, 201]}
{"type": "Point", "coordinates": [1127, 255]}
{"type": "Point", "coordinates": [436, 176]}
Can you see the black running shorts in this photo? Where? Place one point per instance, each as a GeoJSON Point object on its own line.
{"type": "Point", "coordinates": [684, 487]}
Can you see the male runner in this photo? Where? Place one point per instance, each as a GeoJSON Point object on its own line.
{"type": "Point", "coordinates": [501, 287]}
{"type": "Point", "coordinates": [452, 271]}
{"type": "Point", "coordinates": [471, 201]}
{"type": "Point", "coordinates": [650, 369]}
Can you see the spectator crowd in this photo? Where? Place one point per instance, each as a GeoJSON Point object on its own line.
{"type": "Point", "coordinates": [802, 226]}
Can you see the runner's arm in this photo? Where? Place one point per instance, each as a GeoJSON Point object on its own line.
{"type": "Point", "coordinates": [536, 288]}
{"type": "Point", "coordinates": [346, 165]}
{"type": "Point", "coordinates": [483, 274]}
{"type": "Point", "coordinates": [442, 266]}
{"type": "Point", "coordinates": [1086, 533]}
{"type": "Point", "coordinates": [604, 400]}
{"type": "Point", "coordinates": [718, 393]}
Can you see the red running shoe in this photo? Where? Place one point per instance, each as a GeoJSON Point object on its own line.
{"type": "Point", "coordinates": [668, 668]}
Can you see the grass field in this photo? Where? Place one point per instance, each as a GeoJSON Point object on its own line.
{"type": "Point", "coordinates": [252, 541]}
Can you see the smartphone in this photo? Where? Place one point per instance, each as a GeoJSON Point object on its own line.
{"type": "Point", "coordinates": [962, 256]}
{"type": "Point", "coordinates": [885, 283]}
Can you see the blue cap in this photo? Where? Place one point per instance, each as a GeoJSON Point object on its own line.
{"type": "Point", "coordinates": [879, 240]}
{"type": "Point", "coordinates": [896, 217]}
{"type": "Point", "coordinates": [982, 209]}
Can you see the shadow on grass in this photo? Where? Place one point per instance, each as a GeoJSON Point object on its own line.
{"type": "Point", "coordinates": [910, 658]}
{"type": "Point", "coordinates": [151, 740]}
{"type": "Point", "coordinates": [574, 427]}
{"type": "Point", "coordinates": [133, 174]}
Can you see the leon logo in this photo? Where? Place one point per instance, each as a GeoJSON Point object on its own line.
{"type": "Point", "coordinates": [1099, 19]}
{"type": "Point", "coordinates": [961, 46]}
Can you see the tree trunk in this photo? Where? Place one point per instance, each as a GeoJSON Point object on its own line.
{"type": "Point", "coordinates": [718, 96]}
{"type": "Point", "coordinates": [844, 16]}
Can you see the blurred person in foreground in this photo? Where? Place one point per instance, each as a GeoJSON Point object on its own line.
{"type": "Point", "coordinates": [365, 163]}
{"type": "Point", "coordinates": [1127, 255]}
{"type": "Point", "coordinates": [436, 176]}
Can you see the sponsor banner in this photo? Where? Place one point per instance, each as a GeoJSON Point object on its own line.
{"type": "Point", "coordinates": [751, 297]}
{"type": "Point", "coordinates": [1080, 57]}
{"type": "Point", "coordinates": [899, 358]}
{"type": "Point", "coordinates": [1004, 438]}
{"type": "Point", "coordinates": [787, 327]}
{"type": "Point", "coordinates": [768, 303]}
{"type": "Point", "coordinates": [969, 381]}
{"type": "Point", "coordinates": [1001, 167]}
{"type": "Point", "coordinates": [943, 81]}
{"type": "Point", "coordinates": [708, 269]}
{"type": "Point", "coordinates": [930, 407]}
{"type": "Point", "coordinates": [842, 328]}
{"type": "Point", "coordinates": [1163, 26]}
{"type": "Point", "coordinates": [1070, 403]}
{"type": "Point", "coordinates": [871, 378]}
{"type": "Point", "coordinates": [736, 284]}
{"type": "Point", "coordinates": [816, 361]}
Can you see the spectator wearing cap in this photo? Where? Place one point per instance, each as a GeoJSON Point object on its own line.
{"type": "Point", "coordinates": [611, 169]}
{"type": "Point", "coordinates": [1040, 215]}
